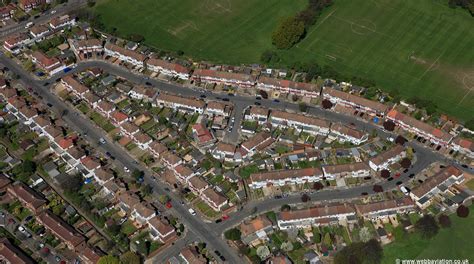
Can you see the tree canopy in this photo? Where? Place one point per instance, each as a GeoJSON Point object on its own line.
{"type": "Point", "coordinates": [232, 234]}
{"type": "Point", "coordinates": [288, 33]}
{"type": "Point", "coordinates": [109, 259]}
{"type": "Point", "coordinates": [360, 252]}
{"type": "Point", "coordinates": [427, 226]}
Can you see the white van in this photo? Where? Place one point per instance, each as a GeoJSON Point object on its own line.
{"type": "Point", "coordinates": [404, 190]}
{"type": "Point", "coordinates": [29, 24]}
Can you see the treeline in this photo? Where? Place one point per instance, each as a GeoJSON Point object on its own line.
{"type": "Point", "coordinates": [292, 29]}
{"type": "Point", "coordinates": [466, 4]}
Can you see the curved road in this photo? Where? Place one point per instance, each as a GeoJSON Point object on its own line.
{"type": "Point", "coordinates": [208, 232]}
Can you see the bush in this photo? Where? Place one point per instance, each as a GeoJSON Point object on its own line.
{"type": "Point", "coordinates": [389, 125]}
{"type": "Point", "coordinates": [462, 211]}
{"type": "Point", "coordinates": [326, 104]}
{"type": "Point", "coordinates": [232, 234]}
{"type": "Point", "coordinates": [444, 221]}
{"type": "Point", "coordinates": [427, 226]}
{"type": "Point", "coordinates": [288, 33]}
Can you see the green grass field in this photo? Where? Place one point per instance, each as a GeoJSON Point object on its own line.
{"type": "Point", "coordinates": [421, 48]}
{"type": "Point", "coordinates": [451, 243]}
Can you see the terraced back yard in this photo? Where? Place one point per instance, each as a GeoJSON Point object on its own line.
{"type": "Point", "coordinates": [418, 48]}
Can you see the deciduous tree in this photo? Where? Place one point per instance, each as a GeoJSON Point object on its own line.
{"type": "Point", "coordinates": [288, 33]}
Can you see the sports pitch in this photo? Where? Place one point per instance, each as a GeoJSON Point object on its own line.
{"type": "Point", "coordinates": [420, 48]}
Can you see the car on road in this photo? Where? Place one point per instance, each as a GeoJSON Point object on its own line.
{"type": "Point", "coordinates": [364, 193]}
{"type": "Point", "coordinates": [169, 205]}
{"type": "Point", "coordinates": [191, 211]}
{"type": "Point", "coordinates": [218, 221]}
{"type": "Point", "coordinates": [278, 197]}
{"type": "Point", "coordinates": [57, 258]}
{"type": "Point", "coordinates": [49, 104]}
{"type": "Point", "coordinates": [231, 94]}
{"type": "Point", "coordinates": [148, 83]}
{"type": "Point", "coordinates": [202, 96]}
{"type": "Point", "coordinates": [276, 100]}
{"type": "Point", "coordinates": [411, 175]}
{"type": "Point", "coordinates": [127, 170]}
{"type": "Point", "coordinates": [225, 99]}
{"type": "Point", "coordinates": [53, 12]}
{"type": "Point", "coordinates": [225, 217]}
{"type": "Point", "coordinates": [257, 103]}
{"type": "Point", "coordinates": [102, 141]}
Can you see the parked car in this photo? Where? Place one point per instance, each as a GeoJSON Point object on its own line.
{"type": "Point", "coordinates": [191, 211]}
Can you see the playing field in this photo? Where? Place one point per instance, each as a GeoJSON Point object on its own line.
{"type": "Point", "coordinates": [420, 48]}
{"type": "Point", "coordinates": [450, 243]}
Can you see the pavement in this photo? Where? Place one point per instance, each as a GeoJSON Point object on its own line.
{"type": "Point", "coordinates": [211, 233]}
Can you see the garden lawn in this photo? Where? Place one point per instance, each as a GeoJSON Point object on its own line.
{"type": "Point", "coordinates": [451, 243]}
{"type": "Point", "coordinates": [416, 48]}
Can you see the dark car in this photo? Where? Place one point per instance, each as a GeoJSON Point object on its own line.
{"type": "Point", "coordinates": [276, 100]}
{"type": "Point", "coordinates": [231, 94]}
{"type": "Point", "coordinates": [411, 175]}
{"type": "Point", "coordinates": [225, 99]}
{"type": "Point", "coordinates": [202, 96]}
{"type": "Point", "coordinates": [148, 83]}
{"type": "Point", "coordinates": [46, 84]}
{"type": "Point", "coordinates": [257, 103]}
{"type": "Point", "coordinates": [399, 183]}
{"type": "Point", "coordinates": [390, 179]}
{"type": "Point", "coordinates": [364, 194]}
{"type": "Point", "coordinates": [218, 221]}
{"type": "Point", "coordinates": [49, 104]}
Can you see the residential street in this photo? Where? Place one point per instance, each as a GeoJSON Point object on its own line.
{"type": "Point", "coordinates": [62, 9]}
{"type": "Point", "coordinates": [207, 232]}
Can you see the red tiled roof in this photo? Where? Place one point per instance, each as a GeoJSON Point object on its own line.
{"type": "Point", "coordinates": [316, 212]}
{"type": "Point", "coordinates": [60, 228]}
{"type": "Point", "coordinates": [181, 100]}
{"type": "Point", "coordinates": [168, 65]}
{"type": "Point", "coordinates": [12, 254]}
{"type": "Point", "coordinates": [383, 205]}
{"type": "Point", "coordinates": [290, 84]}
{"type": "Point", "coordinates": [436, 180]}
{"type": "Point", "coordinates": [89, 163]}
{"type": "Point", "coordinates": [356, 100]}
{"type": "Point", "coordinates": [224, 75]}
{"type": "Point", "coordinates": [388, 154]}
{"type": "Point", "coordinates": [125, 52]}
{"type": "Point", "coordinates": [119, 116]}
{"type": "Point", "coordinates": [300, 118]}
{"type": "Point", "coordinates": [26, 194]}
{"type": "Point", "coordinates": [412, 122]}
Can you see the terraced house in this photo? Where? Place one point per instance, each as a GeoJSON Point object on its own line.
{"type": "Point", "coordinates": [382, 209]}
{"type": "Point", "coordinates": [284, 177]}
{"type": "Point", "coordinates": [287, 86]}
{"type": "Point", "coordinates": [359, 169]}
{"type": "Point", "coordinates": [168, 68]}
{"type": "Point", "coordinates": [130, 56]}
{"type": "Point", "coordinates": [179, 103]}
{"type": "Point", "coordinates": [356, 102]}
{"type": "Point", "coordinates": [320, 215]}
{"type": "Point", "coordinates": [345, 133]}
{"type": "Point", "coordinates": [439, 183]}
{"type": "Point", "coordinates": [412, 125]}
{"type": "Point", "coordinates": [303, 123]}
{"type": "Point", "coordinates": [387, 158]}
{"type": "Point", "coordinates": [227, 78]}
